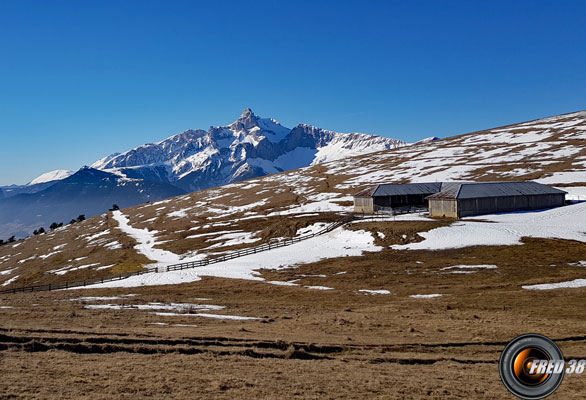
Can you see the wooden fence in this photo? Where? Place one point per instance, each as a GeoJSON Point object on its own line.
{"type": "Point", "coordinates": [180, 266]}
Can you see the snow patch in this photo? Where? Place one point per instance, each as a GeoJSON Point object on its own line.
{"type": "Point", "coordinates": [368, 291]}
{"type": "Point", "coordinates": [426, 296]}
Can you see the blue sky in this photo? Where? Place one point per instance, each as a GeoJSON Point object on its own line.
{"type": "Point", "coordinates": [80, 80]}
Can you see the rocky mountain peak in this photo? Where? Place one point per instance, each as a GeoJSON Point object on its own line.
{"type": "Point", "coordinates": [247, 120]}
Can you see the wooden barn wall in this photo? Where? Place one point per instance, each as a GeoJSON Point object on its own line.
{"type": "Point", "coordinates": [489, 205]}
{"type": "Point", "coordinates": [443, 208]}
{"type": "Point", "coordinates": [364, 205]}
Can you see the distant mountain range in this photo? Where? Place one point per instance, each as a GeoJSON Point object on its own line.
{"type": "Point", "coordinates": [248, 148]}
{"type": "Point", "coordinates": [192, 160]}
{"type": "Point", "coordinates": [208, 223]}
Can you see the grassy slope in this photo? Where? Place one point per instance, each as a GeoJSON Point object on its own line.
{"type": "Point", "coordinates": [340, 343]}
{"type": "Point", "coordinates": [526, 151]}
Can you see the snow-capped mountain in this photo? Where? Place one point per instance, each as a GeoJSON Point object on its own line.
{"type": "Point", "coordinates": [249, 147]}
{"type": "Point", "coordinates": [51, 176]}
{"type": "Point", "coordinates": [195, 159]}
{"type": "Point", "coordinates": [209, 222]}
{"type": "Point", "coordinates": [87, 191]}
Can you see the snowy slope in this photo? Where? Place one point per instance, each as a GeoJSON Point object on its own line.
{"type": "Point", "coordinates": [249, 147]}
{"type": "Point", "coordinates": [210, 222]}
{"type": "Point", "coordinates": [51, 176]}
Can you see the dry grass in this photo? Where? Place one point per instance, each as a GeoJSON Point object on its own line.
{"type": "Point", "coordinates": [340, 343]}
{"type": "Point", "coordinates": [208, 211]}
{"type": "Point", "coordinates": [308, 344]}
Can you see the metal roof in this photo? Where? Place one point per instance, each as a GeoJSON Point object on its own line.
{"type": "Point", "coordinates": [367, 192]}
{"type": "Point", "coordinates": [473, 190]}
{"type": "Point", "coordinates": [400, 189]}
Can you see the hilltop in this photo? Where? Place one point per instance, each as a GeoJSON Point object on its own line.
{"type": "Point", "coordinates": [211, 222]}
{"type": "Point", "coordinates": [192, 160]}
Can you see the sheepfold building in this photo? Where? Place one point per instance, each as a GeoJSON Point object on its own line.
{"type": "Point", "coordinates": [457, 200]}
{"type": "Point", "coordinates": [394, 196]}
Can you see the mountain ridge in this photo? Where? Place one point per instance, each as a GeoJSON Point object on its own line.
{"type": "Point", "coordinates": [212, 222]}
{"type": "Point", "coordinates": [192, 160]}
{"type": "Point", "coordinates": [221, 155]}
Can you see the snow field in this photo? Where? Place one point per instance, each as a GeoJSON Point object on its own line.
{"type": "Point", "coordinates": [338, 243]}
{"type": "Point", "coordinates": [506, 229]}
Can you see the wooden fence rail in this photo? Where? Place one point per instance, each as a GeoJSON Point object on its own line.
{"type": "Point", "coordinates": [181, 266]}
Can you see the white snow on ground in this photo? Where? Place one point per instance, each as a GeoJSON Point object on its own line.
{"type": "Point", "coordinates": [319, 288]}
{"type": "Point", "coordinates": [578, 264]}
{"type": "Point", "coordinates": [374, 291]}
{"type": "Point", "coordinates": [575, 192]}
{"type": "Point", "coordinates": [105, 267]}
{"type": "Point", "coordinates": [425, 296]}
{"type": "Point", "coordinates": [576, 283]}
{"type": "Point", "coordinates": [319, 206]}
{"type": "Point", "coordinates": [45, 256]}
{"type": "Point", "coordinates": [7, 272]}
{"type": "Point", "coordinates": [97, 235]}
{"type": "Point", "coordinates": [113, 245]}
{"type": "Point", "coordinates": [282, 283]}
{"type": "Point", "coordinates": [83, 267]}
{"type": "Point", "coordinates": [55, 175]}
{"type": "Point", "coordinates": [566, 222]}
{"type": "Point", "coordinates": [564, 177]}
{"type": "Point", "coordinates": [155, 306]}
{"type": "Point", "coordinates": [27, 259]}
{"type": "Point", "coordinates": [69, 268]}
{"type": "Point", "coordinates": [311, 229]}
{"type": "Point", "coordinates": [215, 316]}
{"type": "Point", "coordinates": [102, 298]}
{"type": "Point", "coordinates": [178, 213]}
{"type": "Point", "coordinates": [338, 243]}
{"type": "Point", "coordinates": [466, 269]}
{"type": "Point", "coordinates": [198, 235]}
{"type": "Point", "coordinates": [9, 281]}
{"type": "Point", "coordinates": [146, 240]}
{"type": "Point", "coordinates": [233, 239]}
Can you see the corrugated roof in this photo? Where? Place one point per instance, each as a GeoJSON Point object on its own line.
{"type": "Point", "coordinates": [449, 190]}
{"type": "Point", "coordinates": [407, 188]}
{"type": "Point", "coordinates": [399, 189]}
{"type": "Point", "coordinates": [473, 190]}
{"type": "Point", "coordinates": [367, 192]}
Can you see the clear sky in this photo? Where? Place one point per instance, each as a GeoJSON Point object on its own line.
{"type": "Point", "coordinates": [82, 79]}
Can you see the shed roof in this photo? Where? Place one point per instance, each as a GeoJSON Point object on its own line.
{"type": "Point", "coordinates": [473, 190]}
{"type": "Point", "coordinates": [400, 189]}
